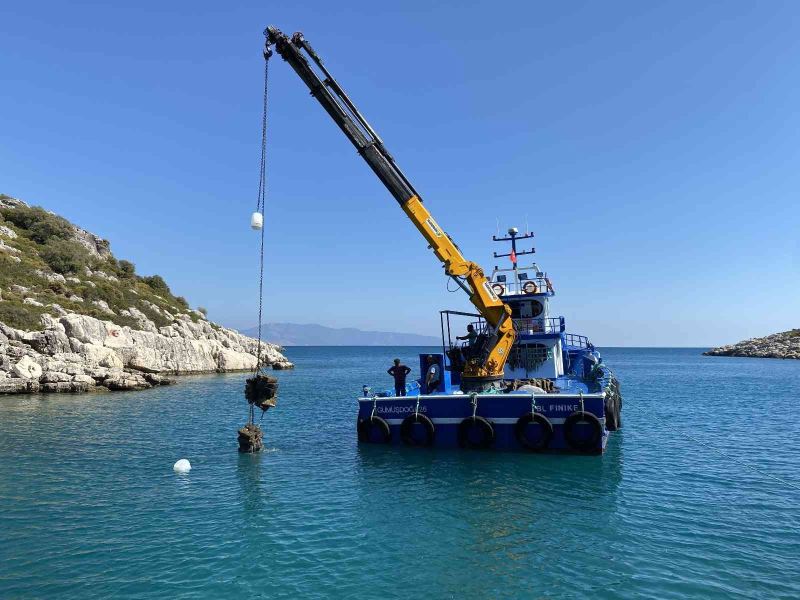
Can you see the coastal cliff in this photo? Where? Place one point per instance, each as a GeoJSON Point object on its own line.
{"type": "Point", "coordinates": [779, 345]}
{"type": "Point", "coordinates": [73, 318]}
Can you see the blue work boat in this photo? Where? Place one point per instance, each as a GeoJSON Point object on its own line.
{"type": "Point", "coordinates": [519, 381]}
{"type": "Point", "coordinates": [556, 395]}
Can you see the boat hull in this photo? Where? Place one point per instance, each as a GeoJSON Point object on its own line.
{"type": "Point", "coordinates": [574, 423]}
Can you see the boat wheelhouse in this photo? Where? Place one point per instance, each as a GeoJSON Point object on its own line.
{"type": "Point", "coordinates": [556, 393]}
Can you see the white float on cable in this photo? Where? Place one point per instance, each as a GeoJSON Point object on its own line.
{"type": "Point", "coordinates": [256, 221]}
{"type": "Point", "coordinates": [182, 466]}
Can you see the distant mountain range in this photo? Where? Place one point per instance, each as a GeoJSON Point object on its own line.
{"type": "Point", "coordinates": [293, 334]}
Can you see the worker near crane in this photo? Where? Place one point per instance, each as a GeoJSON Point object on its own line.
{"type": "Point", "coordinates": [433, 375]}
{"type": "Point", "coordinates": [399, 371]}
{"type": "Point", "coordinates": [471, 337]}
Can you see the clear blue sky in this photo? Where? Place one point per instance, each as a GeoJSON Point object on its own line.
{"type": "Point", "coordinates": [653, 149]}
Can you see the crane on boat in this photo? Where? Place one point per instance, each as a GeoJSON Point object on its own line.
{"type": "Point", "coordinates": [486, 366]}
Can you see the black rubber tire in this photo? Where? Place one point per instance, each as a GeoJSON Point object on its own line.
{"type": "Point", "coordinates": [365, 427]}
{"type": "Point", "coordinates": [612, 412]}
{"type": "Point", "coordinates": [408, 424]}
{"type": "Point", "coordinates": [487, 433]}
{"type": "Point", "coordinates": [527, 419]}
{"type": "Point", "coordinates": [589, 443]}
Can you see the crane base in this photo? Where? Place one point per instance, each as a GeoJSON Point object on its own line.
{"type": "Point", "coordinates": [480, 384]}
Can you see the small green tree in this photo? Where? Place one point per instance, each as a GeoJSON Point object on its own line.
{"type": "Point", "coordinates": [64, 256]}
{"type": "Point", "coordinates": [182, 302]}
{"type": "Point", "coordinates": [203, 310]}
{"type": "Point", "coordinates": [127, 268]}
{"type": "Point", "coordinates": [157, 283]}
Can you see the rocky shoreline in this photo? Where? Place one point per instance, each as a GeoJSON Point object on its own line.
{"type": "Point", "coordinates": [73, 318]}
{"type": "Point", "coordinates": [78, 353]}
{"type": "Point", "coordinates": [780, 345]}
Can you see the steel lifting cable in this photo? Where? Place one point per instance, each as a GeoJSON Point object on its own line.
{"type": "Point", "coordinates": [262, 194]}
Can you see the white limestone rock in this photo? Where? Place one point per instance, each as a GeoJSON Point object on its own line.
{"type": "Point", "coordinates": [50, 276]}
{"type": "Point", "coordinates": [96, 354]}
{"type": "Point", "coordinates": [27, 368]}
{"type": "Point", "coordinates": [8, 232]}
{"type": "Point", "coordinates": [5, 248]}
{"type": "Point", "coordinates": [57, 309]}
{"type": "Point", "coordinates": [79, 352]}
{"type": "Point", "coordinates": [103, 305]}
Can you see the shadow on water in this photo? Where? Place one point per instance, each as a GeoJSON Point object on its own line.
{"type": "Point", "coordinates": [598, 475]}
{"type": "Point", "coordinates": [249, 473]}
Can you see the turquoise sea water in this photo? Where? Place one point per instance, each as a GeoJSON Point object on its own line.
{"type": "Point", "coordinates": [90, 506]}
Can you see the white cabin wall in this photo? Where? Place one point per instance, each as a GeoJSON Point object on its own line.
{"type": "Point", "coordinates": [551, 368]}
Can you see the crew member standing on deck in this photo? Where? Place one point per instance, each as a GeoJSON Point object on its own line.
{"type": "Point", "coordinates": [433, 375]}
{"type": "Point", "coordinates": [472, 338]}
{"type": "Point", "coordinates": [399, 372]}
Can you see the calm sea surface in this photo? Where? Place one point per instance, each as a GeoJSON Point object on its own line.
{"type": "Point", "coordinates": [90, 506]}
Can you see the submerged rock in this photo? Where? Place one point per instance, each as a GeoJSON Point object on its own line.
{"type": "Point", "coordinates": [779, 345]}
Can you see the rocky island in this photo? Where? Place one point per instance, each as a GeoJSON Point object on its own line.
{"type": "Point", "coordinates": [73, 318]}
{"type": "Point", "coordinates": [779, 345]}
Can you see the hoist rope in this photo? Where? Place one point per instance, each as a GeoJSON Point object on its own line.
{"type": "Point", "coordinates": [262, 194]}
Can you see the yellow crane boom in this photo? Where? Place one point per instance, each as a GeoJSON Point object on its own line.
{"type": "Point", "coordinates": [487, 367]}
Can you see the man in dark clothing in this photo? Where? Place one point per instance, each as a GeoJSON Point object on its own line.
{"type": "Point", "coordinates": [399, 372]}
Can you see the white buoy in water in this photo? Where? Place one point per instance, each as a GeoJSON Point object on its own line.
{"type": "Point", "coordinates": [182, 466]}
{"type": "Point", "coordinates": [256, 221]}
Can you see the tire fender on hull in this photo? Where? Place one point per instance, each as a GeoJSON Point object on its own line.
{"type": "Point", "coordinates": [530, 419]}
{"type": "Point", "coordinates": [407, 430]}
{"type": "Point", "coordinates": [583, 444]}
{"type": "Point", "coordinates": [374, 429]}
{"type": "Point", "coordinates": [479, 424]}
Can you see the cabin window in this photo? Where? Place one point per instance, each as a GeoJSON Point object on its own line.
{"type": "Point", "coordinates": [531, 309]}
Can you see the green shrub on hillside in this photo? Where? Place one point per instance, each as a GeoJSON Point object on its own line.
{"type": "Point", "coordinates": [64, 256]}
{"type": "Point", "coordinates": [157, 283]}
{"type": "Point", "coordinates": [21, 316]}
{"type": "Point", "coordinates": [46, 242]}
{"type": "Point", "coordinates": [127, 268]}
{"type": "Point", "coordinates": [38, 224]}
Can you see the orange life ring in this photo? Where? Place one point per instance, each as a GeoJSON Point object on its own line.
{"type": "Point", "coordinates": [530, 288]}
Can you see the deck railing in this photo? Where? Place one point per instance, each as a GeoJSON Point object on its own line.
{"type": "Point", "coordinates": [529, 326]}
{"type": "Point", "coordinates": [540, 325]}
{"type": "Point", "coordinates": [577, 341]}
